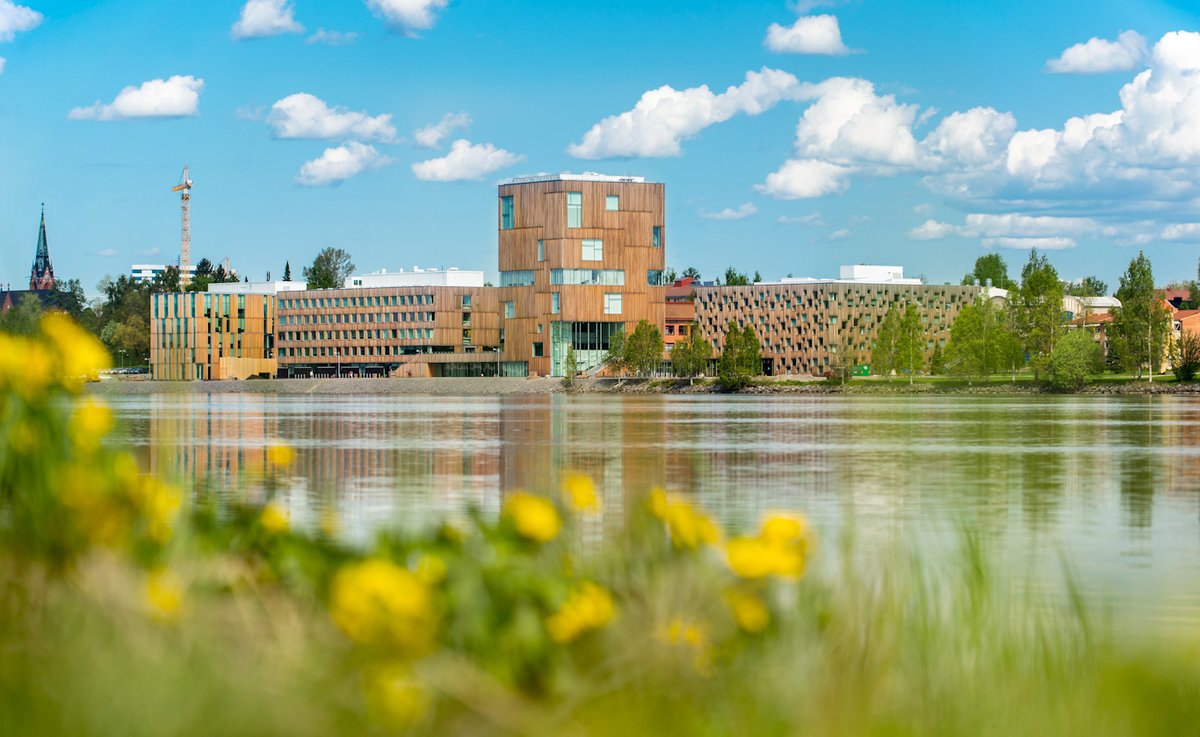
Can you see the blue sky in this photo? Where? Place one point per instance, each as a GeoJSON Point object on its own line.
{"type": "Point", "coordinates": [915, 133]}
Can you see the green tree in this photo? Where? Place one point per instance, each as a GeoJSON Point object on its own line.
{"type": "Point", "coordinates": [329, 269]}
{"type": "Point", "coordinates": [757, 277]}
{"type": "Point", "coordinates": [1075, 356]}
{"type": "Point", "coordinates": [23, 318]}
{"type": "Point", "coordinates": [884, 351]}
{"type": "Point", "coordinates": [910, 344]}
{"type": "Point", "coordinates": [570, 368]}
{"type": "Point", "coordinates": [669, 276]}
{"type": "Point", "coordinates": [690, 357]}
{"type": "Point", "coordinates": [1185, 356]}
{"type": "Point", "coordinates": [845, 356]}
{"type": "Point", "coordinates": [167, 281]}
{"type": "Point", "coordinates": [287, 270]}
{"type": "Point", "coordinates": [1088, 286]}
{"type": "Point", "coordinates": [614, 357]}
{"type": "Point", "coordinates": [990, 266]}
{"type": "Point", "coordinates": [1037, 311]}
{"type": "Point", "coordinates": [644, 348]}
{"type": "Point", "coordinates": [937, 361]}
{"type": "Point", "coordinates": [1142, 323]}
{"type": "Point", "coordinates": [735, 278]}
{"type": "Point", "coordinates": [981, 341]}
{"type": "Point", "coordinates": [691, 272]}
{"type": "Point", "coordinates": [740, 359]}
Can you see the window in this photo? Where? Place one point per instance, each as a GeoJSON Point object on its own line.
{"type": "Point", "coordinates": [537, 350]}
{"type": "Point", "coordinates": [604, 277]}
{"type": "Point", "coordinates": [466, 301]}
{"type": "Point", "coordinates": [506, 213]}
{"type": "Point", "coordinates": [574, 209]}
{"type": "Point", "coordinates": [509, 310]}
{"type": "Point", "coordinates": [555, 303]}
{"type": "Point", "coordinates": [654, 277]}
{"type": "Point", "coordinates": [516, 278]}
{"type": "Point", "coordinates": [612, 303]}
{"type": "Point", "coordinates": [593, 250]}
{"type": "Point", "coordinates": [656, 239]}
{"type": "Point", "coordinates": [541, 250]}
{"type": "Point", "coordinates": [612, 203]}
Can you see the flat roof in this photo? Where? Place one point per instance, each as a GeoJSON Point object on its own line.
{"type": "Point", "coordinates": [587, 176]}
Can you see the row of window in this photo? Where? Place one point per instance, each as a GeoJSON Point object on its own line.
{"type": "Point", "coordinates": [612, 203]}
{"type": "Point", "coordinates": [399, 334]}
{"type": "Point", "coordinates": [602, 277]}
{"type": "Point", "coordinates": [356, 317]}
{"type": "Point", "coordinates": [333, 353]}
{"type": "Point", "coordinates": [388, 300]}
{"type": "Point", "coordinates": [524, 278]}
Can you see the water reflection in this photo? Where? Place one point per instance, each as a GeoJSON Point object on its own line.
{"type": "Point", "coordinates": [1111, 482]}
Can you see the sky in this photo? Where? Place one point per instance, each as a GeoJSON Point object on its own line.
{"type": "Point", "coordinates": [792, 136]}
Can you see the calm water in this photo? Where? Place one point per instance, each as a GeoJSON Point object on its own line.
{"type": "Point", "coordinates": [1112, 484]}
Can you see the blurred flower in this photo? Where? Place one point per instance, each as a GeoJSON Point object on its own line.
{"type": "Point", "coordinates": [431, 569]}
{"type": "Point", "coordinates": [779, 549]}
{"type": "Point", "coordinates": [281, 456]}
{"type": "Point", "coordinates": [158, 503]}
{"type": "Point", "coordinates": [534, 517]}
{"type": "Point", "coordinates": [393, 695]}
{"type": "Point", "coordinates": [748, 610]}
{"type": "Point", "coordinates": [580, 492]}
{"type": "Point", "coordinates": [25, 366]}
{"type": "Point", "coordinates": [680, 632]}
{"type": "Point", "coordinates": [274, 519]}
{"type": "Point", "coordinates": [688, 526]}
{"type": "Point", "coordinates": [588, 608]}
{"type": "Point", "coordinates": [91, 421]}
{"type": "Point", "coordinates": [376, 602]}
{"type": "Point", "coordinates": [163, 595]}
{"type": "Point", "coordinates": [80, 356]}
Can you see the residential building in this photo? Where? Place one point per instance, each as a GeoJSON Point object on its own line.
{"type": "Point", "coordinates": [206, 335]}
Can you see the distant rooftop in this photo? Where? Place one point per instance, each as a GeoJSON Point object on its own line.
{"type": "Point", "coordinates": [587, 176]}
{"type": "Point", "coordinates": [857, 274]}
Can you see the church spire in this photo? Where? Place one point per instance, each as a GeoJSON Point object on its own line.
{"type": "Point", "coordinates": [41, 278]}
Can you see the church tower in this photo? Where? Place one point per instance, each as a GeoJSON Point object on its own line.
{"type": "Point", "coordinates": [41, 278]}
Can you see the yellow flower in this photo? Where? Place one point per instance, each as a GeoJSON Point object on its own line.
{"type": "Point", "coordinates": [393, 696]}
{"type": "Point", "coordinates": [91, 421]}
{"type": "Point", "coordinates": [680, 632]}
{"type": "Point", "coordinates": [784, 529]}
{"type": "Point", "coordinates": [588, 608]}
{"type": "Point", "coordinates": [376, 602]}
{"type": "Point", "coordinates": [281, 456]}
{"type": "Point", "coordinates": [158, 503]}
{"type": "Point", "coordinates": [688, 526]}
{"type": "Point", "coordinates": [534, 517]}
{"type": "Point", "coordinates": [580, 492]}
{"type": "Point", "coordinates": [779, 549]}
{"type": "Point", "coordinates": [81, 357]}
{"type": "Point", "coordinates": [748, 610]}
{"type": "Point", "coordinates": [163, 595]}
{"type": "Point", "coordinates": [274, 519]}
{"type": "Point", "coordinates": [26, 367]}
{"type": "Point", "coordinates": [750, 557]}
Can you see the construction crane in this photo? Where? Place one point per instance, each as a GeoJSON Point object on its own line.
{"type": "Point", "coordinates": [185, 188]}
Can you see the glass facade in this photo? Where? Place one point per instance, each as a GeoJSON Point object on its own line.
{"type": "Point", "coordinates": [516, 278]}
{"type": "Point", "coordinates": [574, 209]}
{"type": "Point", "coordinates": [654, 277]}
{"type": "Point", "coordinates": [603, 277]}
{"type": "Point", "coordinates": [589, 340]}
{"type": "Point", "coordinates": [506, 213]}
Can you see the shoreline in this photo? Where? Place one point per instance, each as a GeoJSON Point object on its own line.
{"type": "Point", "coordinates": [493, 386]}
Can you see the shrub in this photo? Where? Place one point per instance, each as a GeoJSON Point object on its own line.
{"type": "Point", "coordinates": [1185, 356]}
{"type": "Point", "coordinates": [1075, 357]}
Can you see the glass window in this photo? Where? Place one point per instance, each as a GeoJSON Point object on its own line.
{"type": "Point", "coordinates": [466, 300]}
{"type": "Point", "coordinates": [555, 303]}
{"type": "Point", "coordinates": [574, 209]}
{"type": "Point", "coordinates": [593, 250]}
{"type": "Point", "coordinates": [506, 213]}
{"type": "Point", "coordinates": [509, 310]}
{"type": "Point", "coordinates": [537, 350]}
{"type": "Point", "coordinates": [612, 203]}
{"type": "Point", "coordinates": [656, 240]}
{"type": "Point", "coordinates": [612, 303]}
{"type": "Point", "coordinates": [604, 277]}
{"type": "Point", "coordinates": [654, 277]}
{"type": "Point", "coordinates": [516, 278]}
{"type": "Point", "coordinates": [541, 250]}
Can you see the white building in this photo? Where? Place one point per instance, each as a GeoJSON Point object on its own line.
{"type": "Point", "coordinates": [857, 274]}
{"type": "Point", "coordinates": [418, 277]}
{"type": "Point", "coordinates": [257, 287]}
{"type": "Point", "coordinates": [145, 273]}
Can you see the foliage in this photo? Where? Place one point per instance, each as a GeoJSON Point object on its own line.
{"type": "Point", "coordinates": [735, 278]}
{"type": "Point", "coordinates": [614, 357]}
{"type": "Point", "coordinates": [1037, 311]}
{"type": "Point", "coordinates": [845, 356]}
{"type": "Point", "coordinates": [1076, 356]}
{"type": "Point", "coordinates": [741, 358]}
{"type": "Point", "coordinates": [691, 272]}
{"type": "Point", "coordinates": [1142, 325]}
{"type": "Point", "coordinates": [757, 277]}
{"type": "Point", "coordinates": [644, 348]}
{"type": "Point", "coordinates": [885, 349]}
{"type": "Point", "coordinates": [570, 367]}
{"type": "Point", "coordinates": [23, 318]}
{"type": "Point", "coordinates": [329, 269]}
{"type": "Point", "coordinates": [981, 341]}
{"type": "Point", "coordinates": [690, 357]}
{"type": "Point", "coordinates": [1088, 286]}
{"type": "Point", "coordinates": [287, 270]}
{"type": "Point", "coordinates": [204, 275]}
{"type": "Point", "coordinates": [937, 361]}
{"type": "Point", "coordinates": [990, 267]}
{"type": "Point", "coordinates": [910, 348]}
{"type": "Point", "coordinates": [669, 276]}
{"type": "Point", "coordinates": [1185, 356]}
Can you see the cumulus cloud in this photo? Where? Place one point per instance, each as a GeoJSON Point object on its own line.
{"type": "Point", "coordinates": [338, 164]}
{"type": "Point", "coordinates": [840, 234]}
{"type": "Point", "coordinates": [812, 218]}
{"type": "Point", "coordinates": [931, 230]}
{"type": "Point", "coordinates": [849, 124]}
{"type": "Point", "coordinates": [1042, 244]}
{"type": "Point", "coordinates": [664, 117]}
{"type": "Point", "coordinates": [1099, 55]}
{"type": "Point", "coordinates": [974, 138]}
{"type": "Point", "coordinates": [813, 34]}
{"type": "Point", "coordinates": [805, 178]}
{"type": "Point", "coordinates": [409, 16]}
{"type": "Point", "coordinates": [306, 116]}
{"type": "Point", "coordinates": [432, 136]}
{"type": "Point", "coordinates": [466, 160]}
{"type": "Point", "coordinates": [745, 211]}
{"type": "Point", "coordinates": [261, 18]}
{"type": "Point", "coordinates": [1181, 232]}
{"type": "Point", "coordinates": [177, 97]}
{"type": "Point", "coordinates": [1018, 225]}
{"type": "Point", "coordinates": [332, 38]}
{"type": "Point", "coordinates": [16, 19]}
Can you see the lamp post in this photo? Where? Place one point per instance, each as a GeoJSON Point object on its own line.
{"type": "Point", "coordinates": [338, 352]}
{"type": "Point", "coordinates": [122, 353]}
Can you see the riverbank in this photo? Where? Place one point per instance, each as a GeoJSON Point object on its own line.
{"type": "Point", "coordinates": [492, 386]}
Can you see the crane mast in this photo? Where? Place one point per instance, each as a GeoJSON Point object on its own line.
{"type": "Point", "coordinates": [185, 189]}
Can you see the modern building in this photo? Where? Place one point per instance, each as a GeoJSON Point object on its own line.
{"type": "Point", "coordinates": [206, 335]}
{"type": "Point", "coordinates": [680, 312]}
{"type": "Point", "coordinates": [256, 287]}
{"type": "Point", "coordinates": [146, 273]}
{"type": "Point", "coordinates": [581, 258]}
{"type": "Point", "coordinates": [418, 277]}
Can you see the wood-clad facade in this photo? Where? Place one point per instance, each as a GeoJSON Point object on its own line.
{"type": "Point", "coordinates": [579, 257]}
{"type": "Point", "coordinates": [197, 335]}
{"type": "Point", "coordinates": [801, 327]}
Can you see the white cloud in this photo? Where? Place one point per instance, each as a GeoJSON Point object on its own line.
{"type": "Point", "coordinates": [16, 19]}
{"type": "Point", "coordinates": [306, 116]}
{"type": "Point", "coordinates": [332, 38]}
{"type": "Point", "coordinates": [106, 252]}
{"type": "Point", "coordinates": [1181, 232]}
{"type": "Point", "coordinates": [745, 211]}
{"type": "Point", "coordinates": [1016, 225]}
{"type": "Point", "coordinates": [813, 34]}
{"type": "Point", "coordinates": [931, 230]}
{"type": "Point", "coordinates": [849, 124]}
{"type": "Point", "coordinates": [466, 160]}
{"type": "Point", "coordinates": [176, 97]}
{"type": "Point", "coordinates": [339, 164]}
{"type": "Point", "coordinates": [664, 117]}
{"type": "Point", "coordinates": [432, 136]}
{"type": "Point", "coordinates": [974, 138]}
{"type": "Point", "coordinates": [922, 209]}
{"type": "Point", "coordinates": [408, 15]}
{"type": "Point", "coordinates": [1042, 244]}
{"type": "Point", "coordinates": [840, 234]}
{"type": "Point", "coordinates": [804, 178]}
{"type": "Point", "coordinates": [812, 218]}
{"type": "Point", "coordinates": [3, 61]}
{"type": "Point", "coordinates": [261, 18]}
{"type": "Point", "coordinates": [1099, 55]}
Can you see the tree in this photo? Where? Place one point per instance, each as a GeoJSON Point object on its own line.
{"type": "Point", "coordinates": [570, 368]}
{"type": "Point", "coordinates": [690, 357]}
{"type": "Point", "coordinates": [910, 344]}
{"type": "Point", "coordinates": [1142, 323]}
{"type": "Point", "coordinates": [644, 348]}
{"type": "Point", "coordinates": [937, 361]}
{"type": "Point", "coordinates": [614, 357]}
{"type": "Point", "coordinates": [329, 269]}
{"type": "Point", "coordinates": [1088, 286]}
{"type": "Point", "coordinates": [734, 278]}
{"type": "Point", "coordinates": [887, 340]}
{"type": "Point", "coordinates": [845, 357]}
{"type": "Point", "coordinates": [1075, 356]}
{"type": "Point", "coordinates": [23, 317]}
{"type": "Point", "coordinates": [669, 276]}
{"type": "Point", "coordinates": [1185, 356]}
{"type": "Point", "coordinates": [287, 270]}
{"type": "Point", "coordinates": [1037, 311]}
{"type": "Point", "coordinates": [981, 341]}
{"type": "Point", "coordinates": [741, 358]}
{"type": "Point", "coordinates": [757, 277]}
{"type": "Point", "coordinates": [993, 267]}
{"type": "Point", "coordinates": [167, 281]}
{"type": "Point", "coordinates": [691, 272]}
